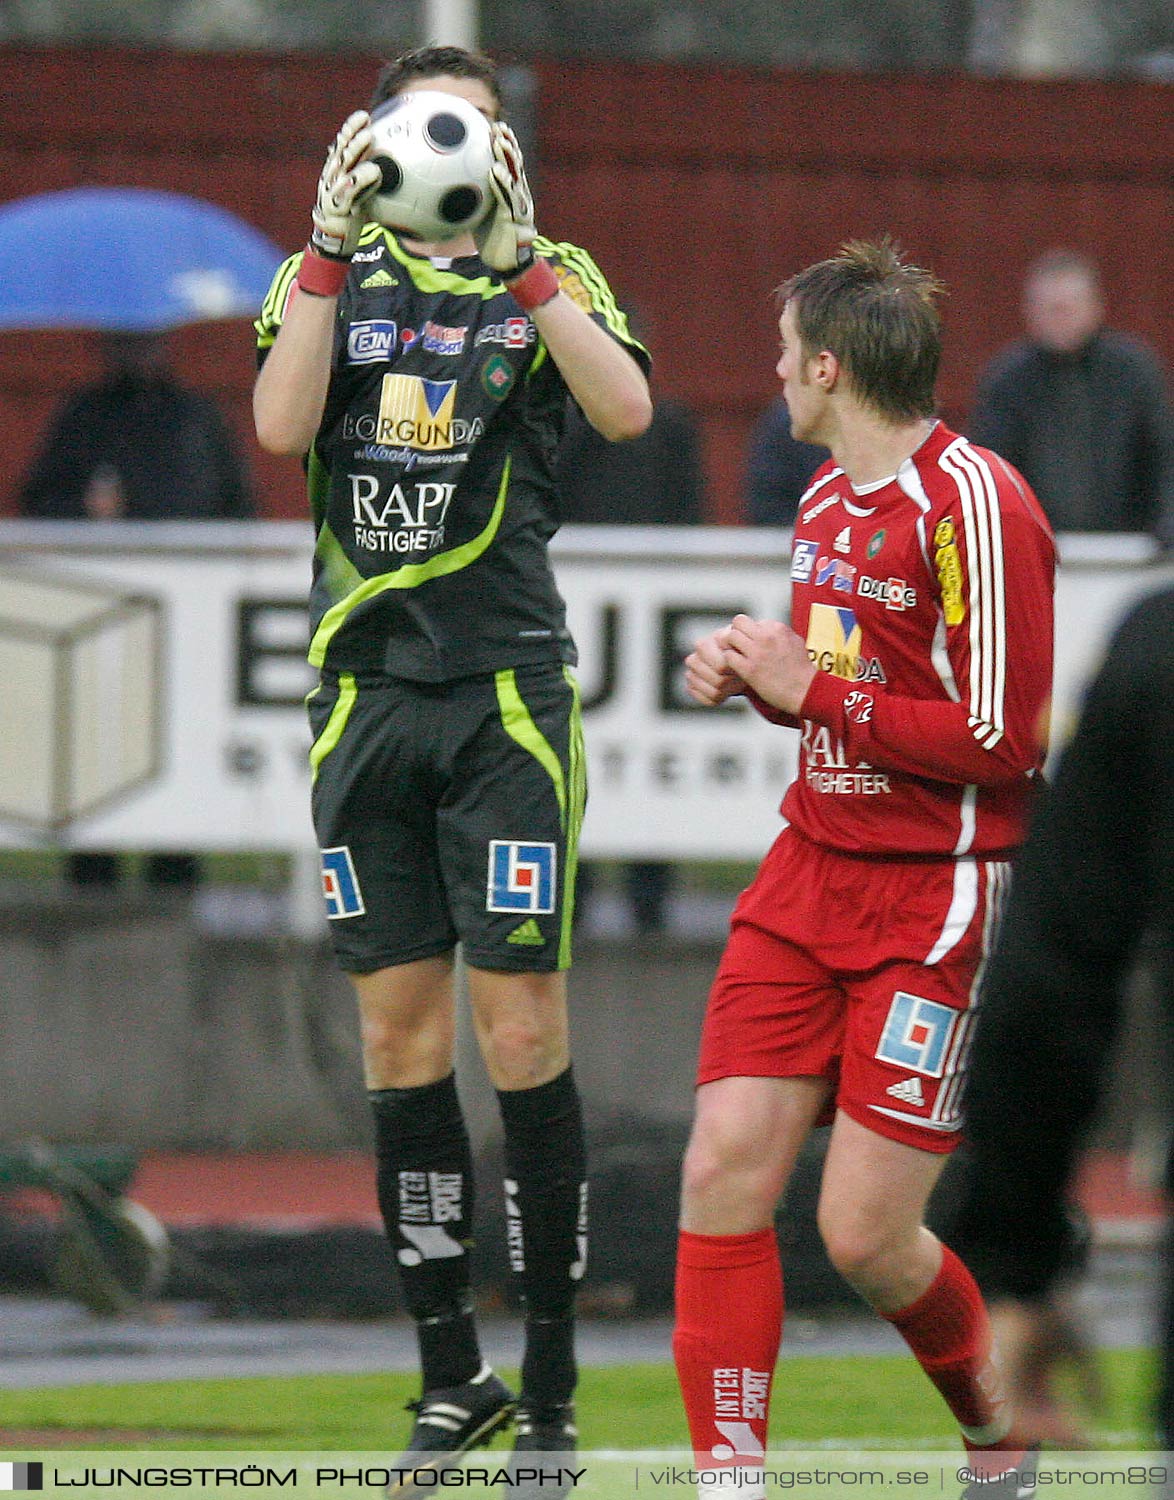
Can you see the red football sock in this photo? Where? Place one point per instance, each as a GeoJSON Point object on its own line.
{"type": "Point", "coordinates": [948, 1330]}
{"type": "Point", "coordinates": [729, 1320]}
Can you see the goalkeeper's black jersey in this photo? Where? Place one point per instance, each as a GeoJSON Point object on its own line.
{"type": "Point", "coordinates": [430, 479]}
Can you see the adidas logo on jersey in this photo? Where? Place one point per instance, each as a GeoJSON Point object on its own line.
{"type": "Point", "coordinates": [843, 541]}
{"type": "Point", "coordinates": [378, 279]}
{"type": "Point", "coordinates": [908, 1091]}
{"type": "Point", "coordinates": [529, 934]}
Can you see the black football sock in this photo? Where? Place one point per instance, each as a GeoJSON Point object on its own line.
{"type": "Point", "coordinates": [425, 1187]}
{"type": "Point", "coordinates": [546, 1218]}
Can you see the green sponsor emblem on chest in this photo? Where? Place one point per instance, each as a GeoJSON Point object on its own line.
{"type": "Point", "coordinates": [497, 376]}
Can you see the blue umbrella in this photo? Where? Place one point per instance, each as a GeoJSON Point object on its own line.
{"type": "Point", "coordinates": [134, 260]}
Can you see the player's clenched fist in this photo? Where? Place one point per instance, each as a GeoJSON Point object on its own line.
{"type": "Point", "coordinates": [770, 658]}
{"type": "Point", "coordinates": [709, 678]}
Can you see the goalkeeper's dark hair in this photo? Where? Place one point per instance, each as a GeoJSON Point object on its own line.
{"type": "Point", "coordinates": [435, 62]}
{"type": "Point", "coordinates": [878, 316]}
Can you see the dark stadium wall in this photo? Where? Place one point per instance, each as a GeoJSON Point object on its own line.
{"type": "Point", "coordinates": [698, 190]}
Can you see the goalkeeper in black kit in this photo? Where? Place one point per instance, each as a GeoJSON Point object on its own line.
{"type": "Point", "coordinates": [1094, 885]}
{"type": "Point", "coordinates": [426, 384]}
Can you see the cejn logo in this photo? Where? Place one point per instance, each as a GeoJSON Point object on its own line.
{"type": "Point", "coordinates": [372, 342]}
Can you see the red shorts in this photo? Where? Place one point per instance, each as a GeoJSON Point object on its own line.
{"type": "Point", "coordinates": [860, 971]}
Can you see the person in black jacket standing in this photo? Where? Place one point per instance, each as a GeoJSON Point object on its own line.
{"type": "Point", "coordinates": [778, 468]}
{"type": "Point", "coordinates": [139, 445]}
{"type": "Point", "coordinates": [1081, 410]}
{"type": "Point", "coordinates": [1094, 880]}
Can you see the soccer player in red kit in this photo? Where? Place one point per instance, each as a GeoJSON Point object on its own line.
{"type": "Point", "coordinates": [918, 666]}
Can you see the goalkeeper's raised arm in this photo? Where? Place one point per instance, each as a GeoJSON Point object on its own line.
{"type": "Point", "coordinates": [606, 381]}
{"type": "Point", "coordinates": [290, 392]}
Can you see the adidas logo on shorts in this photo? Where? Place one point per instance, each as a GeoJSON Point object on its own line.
{"type": "Point", "coordinates": [908, 1091]}
{"type": "Point", "coordinates": [529, 934]}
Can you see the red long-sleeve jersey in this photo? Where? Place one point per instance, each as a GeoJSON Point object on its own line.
{"type": "Point", "coordinates": [926, 604]}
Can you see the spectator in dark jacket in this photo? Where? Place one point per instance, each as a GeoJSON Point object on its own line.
{"type": "Point", "coordinates": [1081, 410]}
{"type": "Point", "coordinates": [137, 445]}
{"type": "Point", "coordinates": [653, 480]}
{"type": "Point", "coordinates": [778, 468]}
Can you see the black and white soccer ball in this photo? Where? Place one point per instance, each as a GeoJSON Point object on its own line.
{"type": "Point", "coordinates": [435, 152]}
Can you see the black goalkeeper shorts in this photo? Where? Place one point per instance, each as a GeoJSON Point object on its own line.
{"type": "Point", "coordinates": [449, 813]}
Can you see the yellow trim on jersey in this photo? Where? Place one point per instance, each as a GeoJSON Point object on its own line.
{"type": "Point", "coordinates": [269, 320]}
{"type": "Point", "coordinates": [339, 574]}
{"type": "Point", "coordinates": [410, 576]}
{"type": "Point", "coordinates": [430, 278]}
{"type": "Point", "coordinates": [602, 297]}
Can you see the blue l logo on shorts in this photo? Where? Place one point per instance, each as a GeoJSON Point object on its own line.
{"type": "Point", "coordinates": [521, 877]}
{"type": "Point", "coordinates": [340, 884]}
{"type": "Point", "coordinates": [917, 1033]}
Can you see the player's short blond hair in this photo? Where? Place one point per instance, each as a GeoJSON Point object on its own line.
{"type": "Point", "coordinates": [878, 316]}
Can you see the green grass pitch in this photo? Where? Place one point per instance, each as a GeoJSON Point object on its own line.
{"type": "Point", "coordinates": [819, 1402]}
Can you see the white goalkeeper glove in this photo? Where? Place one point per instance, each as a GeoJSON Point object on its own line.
{"type": "Point", "coordinates": [347, 181]}
{"type": "Point", "coordinates": [505, 236]}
